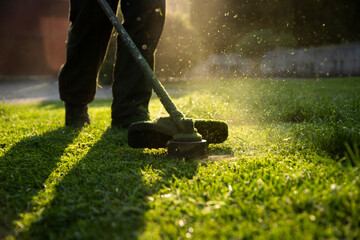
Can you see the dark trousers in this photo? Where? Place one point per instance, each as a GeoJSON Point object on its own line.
{"type": "Point", "coordinates": [87, 43]}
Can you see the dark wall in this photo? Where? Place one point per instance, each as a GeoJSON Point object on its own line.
{"type": "Point", "coordinates": [32, 36]}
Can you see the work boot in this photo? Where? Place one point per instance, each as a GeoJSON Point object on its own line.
{"type": "Point", "coordinates": [126, 122]}
{"type": "Point", "coordinates": [76, 115]}
{"type": "Point", "coordinates": [156, 134]}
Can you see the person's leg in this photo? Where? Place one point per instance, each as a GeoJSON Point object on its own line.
{"type": "Point", "coordinates": [87, 43]}
{"type": "Point", "coordinates": [144, 21]}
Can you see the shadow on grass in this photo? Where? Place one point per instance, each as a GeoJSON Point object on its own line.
{"type": "Point", "coordinates": [25, 168]}
{"type": "Point", "coordinates": [105, 196]}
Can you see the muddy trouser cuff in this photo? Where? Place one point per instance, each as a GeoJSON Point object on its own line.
{"type": "Point", "coordinates": [86, 46]}
{"type": "Point", "coordinates": [131, 91]}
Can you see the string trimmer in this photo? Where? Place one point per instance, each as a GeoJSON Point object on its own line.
{"type": "Point", "coordinates": [183, 136]}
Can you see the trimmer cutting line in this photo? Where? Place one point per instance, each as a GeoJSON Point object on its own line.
{"type": "Point", "coordinates": [182, 136]}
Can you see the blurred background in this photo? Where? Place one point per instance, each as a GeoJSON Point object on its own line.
{"type": "Point", "coordinates": [202, 39]}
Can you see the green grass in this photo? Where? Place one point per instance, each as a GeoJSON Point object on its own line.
{"type": "Point", "coordinates": [291, 168]}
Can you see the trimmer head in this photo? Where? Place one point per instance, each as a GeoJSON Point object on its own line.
{"type": "Point", "coordinates": [187, 150]}
{"type": "Point", "coordinates": [160, 134]}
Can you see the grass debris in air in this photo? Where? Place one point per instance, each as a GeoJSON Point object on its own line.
{"type": "Point", "coordinates": [294, 170]}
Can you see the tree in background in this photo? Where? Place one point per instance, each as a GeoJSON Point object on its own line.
{"type": "Point", "coordinates": [178, 49]}
{"type": "Point", "coordinates": [256, 43]}
{"type": "Point", "coordinates": [221, 23]}
{"type": "Point", "coordinates": [249, 27]}
{"type": "Point", "coordinates": [323, 22]}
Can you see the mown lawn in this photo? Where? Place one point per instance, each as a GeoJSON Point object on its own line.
{"type": "Point", "coordinates": [289, 170]}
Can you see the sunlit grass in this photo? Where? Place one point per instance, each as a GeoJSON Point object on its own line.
{"type": "Point", "coordinates": [324, 113]}
{"type": "Point", "coordinates": [291, 171]}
